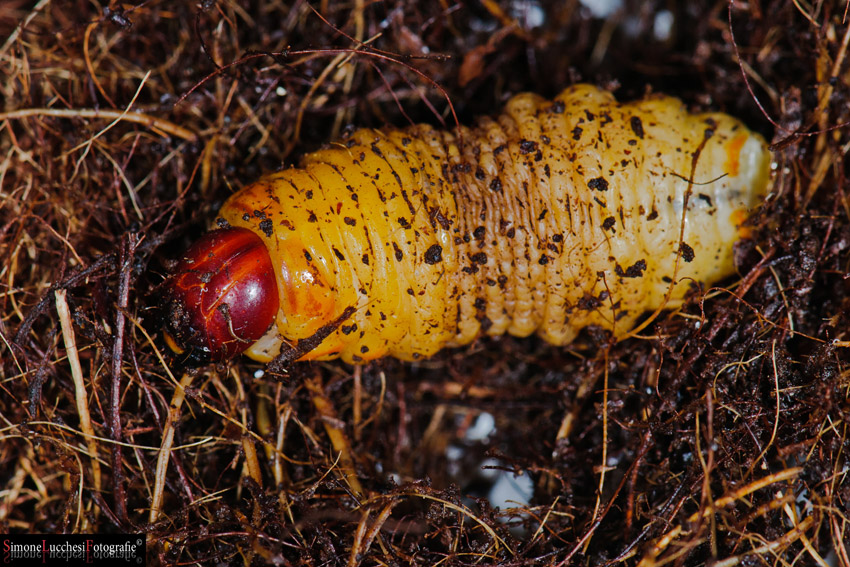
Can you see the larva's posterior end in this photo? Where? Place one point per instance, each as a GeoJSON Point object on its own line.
{"type": "Point", "coordinates": [222, 297]}
{"type": "Point", "coordinates": [753, 158]}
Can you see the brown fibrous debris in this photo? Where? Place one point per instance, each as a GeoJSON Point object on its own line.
{"type": "Point", "coordinates": [718, 435]}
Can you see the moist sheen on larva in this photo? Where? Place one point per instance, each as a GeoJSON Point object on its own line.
{"type": "Point", "coordinates": [556, 215]}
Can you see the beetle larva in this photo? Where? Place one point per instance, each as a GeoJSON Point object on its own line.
{"type": "Point", "coordinates": [554, 216]}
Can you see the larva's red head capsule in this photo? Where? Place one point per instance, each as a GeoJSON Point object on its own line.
{"type": "Point", "coordinates": [222, 297]}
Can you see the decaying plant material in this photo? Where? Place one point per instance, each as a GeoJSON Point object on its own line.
{"type": "Point", "coordinates": [719, 435]}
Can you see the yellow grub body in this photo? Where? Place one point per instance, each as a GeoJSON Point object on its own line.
{"type": "Point", "coordinates": [556, 215]}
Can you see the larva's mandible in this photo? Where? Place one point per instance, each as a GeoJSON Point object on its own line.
{"type": "Point", "coordinates": [554, 216]}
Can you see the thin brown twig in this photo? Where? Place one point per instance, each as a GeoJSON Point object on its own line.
{"type": "Point", "coordinates": [80, 391]}
{"type": "Point", "coordinates": [167, 444]}
{"type": "Point", "coordinates": [159, 125]}
{"type": "Point", "coordinates": [127, 258]}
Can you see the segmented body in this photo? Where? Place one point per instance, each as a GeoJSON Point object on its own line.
{"type": "Point", "coordinates": [551, 217]}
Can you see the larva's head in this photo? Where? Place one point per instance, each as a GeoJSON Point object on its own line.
{"type": "Point", "coordinates": [221, 298]}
